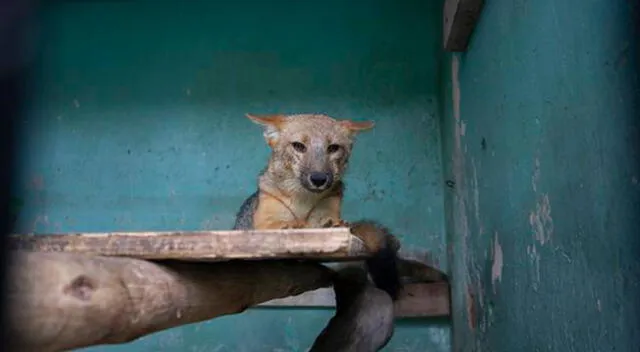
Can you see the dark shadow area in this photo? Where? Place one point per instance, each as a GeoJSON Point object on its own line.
{"type": "Point", "coordinates": [15, 24]}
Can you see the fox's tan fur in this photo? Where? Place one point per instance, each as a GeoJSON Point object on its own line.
{"type": "Point", "coordinates": [285, 196]}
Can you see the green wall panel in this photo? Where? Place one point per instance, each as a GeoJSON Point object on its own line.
{"type": "Point", "coordinates": [136, 123]}
{"type": "Point", "coordinates": [541, 135]}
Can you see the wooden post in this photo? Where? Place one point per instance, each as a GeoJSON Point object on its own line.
{"type": "Point", "coordinates": [460, 17]}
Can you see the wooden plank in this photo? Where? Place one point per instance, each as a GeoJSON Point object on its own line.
{"type": "Point", "coordinates": [416, 300]}
{"type": "Point", "coordinates": [333, 244]}
{"type": "Point", "coordinates": [460, 18]}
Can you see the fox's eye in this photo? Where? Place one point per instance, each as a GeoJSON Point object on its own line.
{"type": "Point", "coordinates": [299, 147]}
{"type": "Point", "coordinates": [333, 148]}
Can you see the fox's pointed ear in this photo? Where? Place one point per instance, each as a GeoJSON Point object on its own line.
{"type": "Point", "coordinates": [357, 126]}
{"type": "Point", "coordinates": [267, 120]}
{"type": "Point", "coordinates": [272, 125]}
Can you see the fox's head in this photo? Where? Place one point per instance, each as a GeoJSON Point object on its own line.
{"type": "Point", "coordinates": [308, 151]}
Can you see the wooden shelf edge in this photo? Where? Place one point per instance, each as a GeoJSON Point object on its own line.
{"type": "Point", "coordinates": [333, 244]}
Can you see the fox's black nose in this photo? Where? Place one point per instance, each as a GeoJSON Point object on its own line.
{"type": "Point", "coordinates": [319, 179]}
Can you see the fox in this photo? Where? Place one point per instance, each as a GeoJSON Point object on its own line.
{"type": "Point", "coordinates": [302, 185]}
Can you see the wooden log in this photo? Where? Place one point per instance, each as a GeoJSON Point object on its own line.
{"type": "Point", "coordinates": [332, 244]}
{"type": "Point", "coordinates": [460, 18]}
{"type": "Point", "coordinates": [63, 301]}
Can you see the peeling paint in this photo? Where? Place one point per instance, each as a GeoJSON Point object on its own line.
{"type": "Point", "coordinates": [541, 221]}
{"type": "Point", "coordinates": [496, 268]}
{"type": "Point", "coordinates": [471, 310]}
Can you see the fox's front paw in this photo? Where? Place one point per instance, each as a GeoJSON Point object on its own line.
{"type": "Point", "coordinates": [330, 222]}
{"type": "Point", "coordinates": [294, 225]}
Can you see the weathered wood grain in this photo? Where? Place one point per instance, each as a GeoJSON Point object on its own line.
{"type": "Point", "coordinates": [334, 244]}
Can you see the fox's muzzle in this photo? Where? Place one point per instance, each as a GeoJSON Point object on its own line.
{"type": "Point", "coordinates": [317, 181]}
{"type": "Point", "coordinates": [317, 175]}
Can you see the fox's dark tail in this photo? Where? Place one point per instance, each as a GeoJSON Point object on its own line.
{"type": "Point", "coordinates": [383, 264]}
{"type": "Point", "coordinates": [383, 268]}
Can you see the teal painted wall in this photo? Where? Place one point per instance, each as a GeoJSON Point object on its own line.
{"type": "Point", "coordinates": [541, 136]}
{"type": "Point", "coordinates": [136, 123]}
